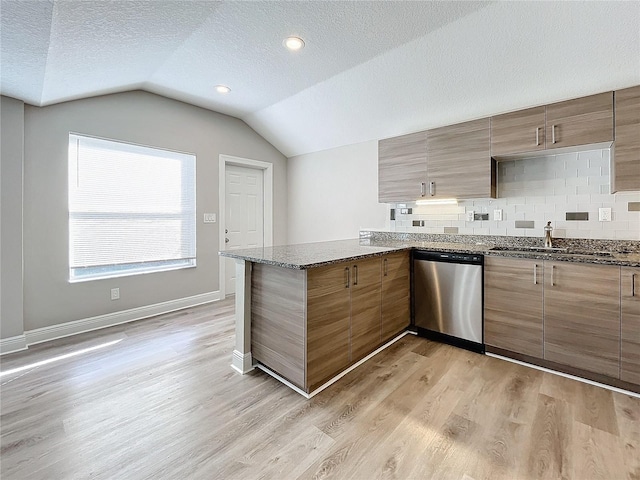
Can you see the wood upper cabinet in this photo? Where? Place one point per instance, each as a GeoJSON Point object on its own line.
{"type": "Point", "coordinates": [513, 303]}
{"type": "Point", "coordinates": [459, 161]}
{"type": "Point", "coordinates": [630, 328]}
{"type": "Point", "coordinates": [582, 316]}
{"type": "Point", "coordinates": [328, 317]}
{"type": "Point", "coordinates": [625, 174]}
{"type": "Point", "coordinates": [580, 121]}
{"type": "Point", "coordinates": [516, 132]}
{"type": "Point", "coordinates": [402, 167]}
{"type": "Point", "coordinates": [365, 307]}
{"type": "Point", "coordinates": [396, 292]}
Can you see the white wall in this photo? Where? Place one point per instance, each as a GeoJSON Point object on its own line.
{"type": "Point", "coordinates": [137, 117]}
{"type": "Point", "coordinates": [334, 193]}
{"type": "Point", "coordinates": [11, 166]}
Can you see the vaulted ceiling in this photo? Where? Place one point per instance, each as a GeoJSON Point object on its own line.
{"type": "Point", "coordinates": [370, 69]}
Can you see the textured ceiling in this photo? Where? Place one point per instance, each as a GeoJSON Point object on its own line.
{"type": "Point", "coordinates": [369, 69]}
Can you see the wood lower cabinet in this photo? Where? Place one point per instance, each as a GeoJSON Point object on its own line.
{"type": "Point", "coordinates": [580, 121]}
{"type": "Point", "coordinates": [630, 328]}
{"type": "Point", "coordinates": [625, 171]}
{"type": "Point", "coordinates": [516, 132]}
{"type": "Point", "coordinates": [327, 322]}
{"type": "Point", "coordinates": [582, 316]}
{"type": "Point", "coordinates": [366, 289]}
{"type": "Point", "coordinates": [513, 305]}
{"type": "Point", "coordinates": [459, 163]}
{"type": "Point", "coordinates": [310, 325]}
{"type": "Point", "coordinates": [396, 294]}
{"type": "Point", "coordinates": [402, 167]}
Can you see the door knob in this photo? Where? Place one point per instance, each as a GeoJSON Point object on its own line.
{"type": "Point", "coordinates": [226, 230]}
{"type": "Point", "coordinates": [226, 240]}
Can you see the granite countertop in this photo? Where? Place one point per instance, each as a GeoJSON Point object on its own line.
{"type": "Point", "coordinates": [312, 255]}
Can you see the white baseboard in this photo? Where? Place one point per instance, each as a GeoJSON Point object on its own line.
{"type": "Point", "coordinates": [13, 344]}
{"type": "Point", "coordinates": [242, 362]}
{"type": "Point", "coordinates": [67, 329]}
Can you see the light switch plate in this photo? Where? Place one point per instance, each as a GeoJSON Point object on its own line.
{"type": "Point", "coordinates": [115, 293]}
{"type": "Point", "coordinates": [470, 216]}
{"type": "Point", "coordinates": [604, 214]}
{"type": "Point", "coordinates": [209, 218]}
{"type": "Point", "coordinates": [497, 215]}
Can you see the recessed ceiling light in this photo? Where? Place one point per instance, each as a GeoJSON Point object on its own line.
{"type": "Point", "coordinates": [294, 43]}
{"type": "Point", "coordinates": [222, 89]}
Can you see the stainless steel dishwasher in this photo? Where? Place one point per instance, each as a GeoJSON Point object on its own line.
{"type": "Point", "coordinates": [447, 297]}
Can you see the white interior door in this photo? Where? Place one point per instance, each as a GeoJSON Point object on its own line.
{"type": "Point", "coordinates": [244, 215]}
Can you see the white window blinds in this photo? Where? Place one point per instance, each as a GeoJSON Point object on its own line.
{"type": "Point", "coordinates": [131, 209]}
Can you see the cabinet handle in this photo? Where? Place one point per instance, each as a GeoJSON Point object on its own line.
{"type": "Point", "coordinates": [553, 268]}
{"type": "Point", "coordinates": [384, 264]}
{"type": "Point", "coordinates": [432, 188]}
{"type": "Point", "coordinates": [535, 274]}
{"type": "Point", "coordinates": [422, 189]}
{"type": "Point", "coordinates": [553, 134]}
{"type": "Point", "coordinates": [537, 136]}
{"type": "Point", "coordinates": [346, 277]}
{"type": "Point", "coordinates": [355, 274]}
{"type": "Point", "coordinates": [633, 284]}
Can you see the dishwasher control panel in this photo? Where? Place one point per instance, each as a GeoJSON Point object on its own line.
{"type": "Point", "coordinates": [464, 258]}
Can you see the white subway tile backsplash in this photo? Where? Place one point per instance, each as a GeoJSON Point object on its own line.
{"type": "Point", "coordinates": [575, 182]}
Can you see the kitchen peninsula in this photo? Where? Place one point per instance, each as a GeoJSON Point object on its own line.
{"type": "Point", "coordinates": [307, 313]}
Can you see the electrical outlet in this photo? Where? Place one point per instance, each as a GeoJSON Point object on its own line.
{"type": "Point", "coordinates": [604, 214]}
{"type": "Point", "coordinates": [209, 218]}
{"type": "Point", "coordinates": [497, 215]}
{"type": "Point", "coordinates": [115, 293]}
{"type": "Point", "coordinates": [470, 216]}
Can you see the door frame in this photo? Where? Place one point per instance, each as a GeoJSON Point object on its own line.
{"type": "Point", "coordinates": [267, 205]}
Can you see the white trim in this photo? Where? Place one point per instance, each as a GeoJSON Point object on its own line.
{"type": "Point", "coordinates": [283, 380]}
{"type": "Point", "coordinates": [566, 375]}
{"type": "Point", "coordinates": [267, 190]}
{"type": "Point", "coordinates": [13, 344]}
{"type": "Point", "coordinates": [67, 329]}
{"type": "Point", "coordinates": [242, 362]}
{"type": "Point", "coordinates": [334, 379]}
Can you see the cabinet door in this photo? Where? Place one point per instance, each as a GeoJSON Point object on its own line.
{"type": "Point", "coordinates": [396, 303]}
{"type": "Point", "coordinates": [459, 160]}
{"type": "Point", "coordinates": [581, 121]}
{"type": "Point", "coordinates": [625, 173]}
{"type": "Point", "coordinates": [518, 132]}
{"type": "Point", "coordinates": [365, 307]}
{"type": "Point", "coordinates": [402, 167]}
{"type": "Point", "coordinates": [513, 315]}
{"type": "Point", "coordinates": [630, 329]}
{"type": "Point", "coordinates": [328, 301]}
{"type": "Point", "coordinates": [582, 316]}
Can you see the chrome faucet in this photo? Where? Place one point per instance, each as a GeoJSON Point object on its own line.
{"type": "Point", "coordinates": [547, 236]}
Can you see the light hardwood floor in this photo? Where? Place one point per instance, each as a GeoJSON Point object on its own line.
{"type": "Point", "coordinates": [163, 403]}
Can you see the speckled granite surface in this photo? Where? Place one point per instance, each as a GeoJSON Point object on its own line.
{"type": "Point", "coordinates": [605, 252]}
{"type": "Point", "coordinates": [371, 244]}
{"type": "Point", "coordinates": [311, 255]}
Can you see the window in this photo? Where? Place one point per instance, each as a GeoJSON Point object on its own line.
{"type": "Point", "coordinates": [132, 209]}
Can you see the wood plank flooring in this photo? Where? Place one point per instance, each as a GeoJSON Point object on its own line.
{"type": "Point", "coordinates": [163, 403]}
